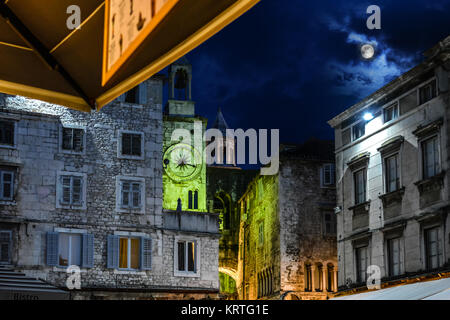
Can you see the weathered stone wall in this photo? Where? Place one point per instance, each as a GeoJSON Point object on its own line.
{"type": "Point", "coordinates": [34, 211]}
{"type": "Point", "coordinates": [290, 207]}
{"type": "Point", "coordinates": [257, 257]}
{"type": "Point", "coordinates": [302, 203]}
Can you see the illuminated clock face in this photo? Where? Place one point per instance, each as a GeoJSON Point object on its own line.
{"type": "Point", "coordinates": [182, 162]}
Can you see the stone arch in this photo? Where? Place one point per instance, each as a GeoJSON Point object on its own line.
{"type": "Point", "coordinates": [230, 272]}
{"type": "Point", "coordinates": [224, 199]}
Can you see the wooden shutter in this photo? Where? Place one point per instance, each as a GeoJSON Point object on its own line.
{"type": "Point", "coordinates": [52, 248]}
{"type": "Point", "coordinates": [146, 253]}
{"type": "Point", "coordinates": [113, 252]}
{"type": "Point", "coordinates": [66, 189]}
{"type": "Point", "coordinates": [77, 187]}
{"type": "Point", "coordinates": [143, 93]}
{"type": "Point", "coordinates": [88, 251]}
{"type": "Point", "coordinates": [78, 137]}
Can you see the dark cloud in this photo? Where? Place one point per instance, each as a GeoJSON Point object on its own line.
{"type": "Point", "coordinates": [294, 64]}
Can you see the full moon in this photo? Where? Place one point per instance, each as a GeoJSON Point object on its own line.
{"type": "Point", "coordinates": [367, 51]}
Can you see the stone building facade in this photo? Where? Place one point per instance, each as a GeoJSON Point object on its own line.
{"type": "Point", "coordinates": [392, 160]}
{"type": "Point", "coordinates": [287, 242]}
{"type": "Point", "coordinates": [86, 189]}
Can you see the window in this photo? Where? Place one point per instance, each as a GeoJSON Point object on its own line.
{"type": "Point", "coordinates": [7, 132]}
{"type": "Point", "coordinates": [187, 256]}
{"type": "Point", "coordinates": [430, 157]}
{"type": "Point", "coordinates": [360, 186]}
{"type": "Point", "coordinates": [5, 247]}
{"type": "Point", "coordinates": [358, 130]}
{"type": "Point", "coordinates": [392, 171]}
{"type": "Point", "coordinates": [71, 190]}
{"type": "Point", "coordinates": [131, 195]}
{"type": "Point", "coordinates": [328, 175]}
{"type": "Point", "coordinates": [6, 185]}
{"type": "Point", "coordinates": [193, 200]}
{"type": "Point", "coordinates": [427, 92]}
{"type": "Point", "coordinates": [69, 250]}
{"type": "Point", "coordinates": [132, 96]}
{"type": "Point", "coordinates": [65, 249]}
{"type": "Point", "coordinates": [72, 139]}
{"type": "Point", "coordinates": [329, 223]}
{"type": "Point", "coordinates": [330, 277]}
{"type": "Point", "coordinates": [433, 249]}
{"type": "Point", "coordinates": [137, 95]}
{"type": "Point", "coordinates": [393, 246]}
{"type": "Point", "coordinates": [362, 259]}
{"type": "Point", "coordinates": [261, 233]}
{"type": "Point", "coordinates": [308, 277]}
{"type": "Point", "coordinates": [390, 113]}
{"type": "Point", "coordinates": [129, 249]}
{"type": "Point", "coordinates": [129, 252]}
{"type": "Point", "coordinates": [131, 144]}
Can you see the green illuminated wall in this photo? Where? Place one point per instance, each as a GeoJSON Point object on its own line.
{"type": "Point", "coordinates": [172, 189]}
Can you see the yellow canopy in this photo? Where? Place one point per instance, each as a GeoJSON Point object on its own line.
{"type": "Point", "coordinates": [42, 59]}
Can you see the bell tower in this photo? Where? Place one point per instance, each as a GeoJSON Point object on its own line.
{"type": "Point", "coordinates": [180, 89]}
{"type": "Point", "coordinates": [184, 169]}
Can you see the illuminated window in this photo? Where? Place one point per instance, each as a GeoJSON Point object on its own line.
{"type": "Point", "coordinates": [360, 186]}
{"type": "Point", "coordinates": [6, 185]}
{"type": "Point", "coordinates": [430, 157]}
{"type": "Point", "coordinates": [69, 249]}
{"type": "Point", "coordinates": [65, 249]}
{"type": "Point", "coordinates": [129, 249]}
{"type": "Point", "coordinates": [72, 139]}
{"type": "Point", "coordinates": [390, 113]}
{"type": "Point", "coordinates": [392, 173]}
{"type": "Point", "coordinates": [187, 256]}
{"type": "Point", "coordinates": [7, 133]}
{"type": "Point", "coordinates": [362, 260]}
{"type": "Point", "coordinates": [427, 92]}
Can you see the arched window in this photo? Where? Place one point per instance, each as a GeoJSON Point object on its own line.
{"type": "Point", "coordinates": [318, 277]}
{"type": "Point", "coordinates": [190, 200]}
{"type": "Point", "coordinates": [196, 199]}
{"type": "Point", "coordinates": [308, 277]}
{"type": "Point", "coordinates": [330, 277]}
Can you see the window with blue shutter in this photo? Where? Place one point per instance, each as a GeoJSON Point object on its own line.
{"type": "Point", "coordinates": [143, 93]}
{"type": "Point", "coordinates": [52, 248]}
{"type": "Point", "coordinates": [113, 252]}
{"type": "Point", "coordinates": [146, 253]}
{"type": "Point", "coordinates": [88, 251]}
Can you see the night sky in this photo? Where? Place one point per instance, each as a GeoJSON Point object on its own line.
{"type": "Point", "coordinates": [293, 65]}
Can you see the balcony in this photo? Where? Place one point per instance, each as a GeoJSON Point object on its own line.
{"type": "Point", "coordinates": [188, 221]}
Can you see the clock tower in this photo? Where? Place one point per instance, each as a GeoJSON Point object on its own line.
{"type": "Point", "coordinates": [184, 167]}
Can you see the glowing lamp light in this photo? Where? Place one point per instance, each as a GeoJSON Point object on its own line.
{"type": "Point", "coordinates": [368, 116]}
